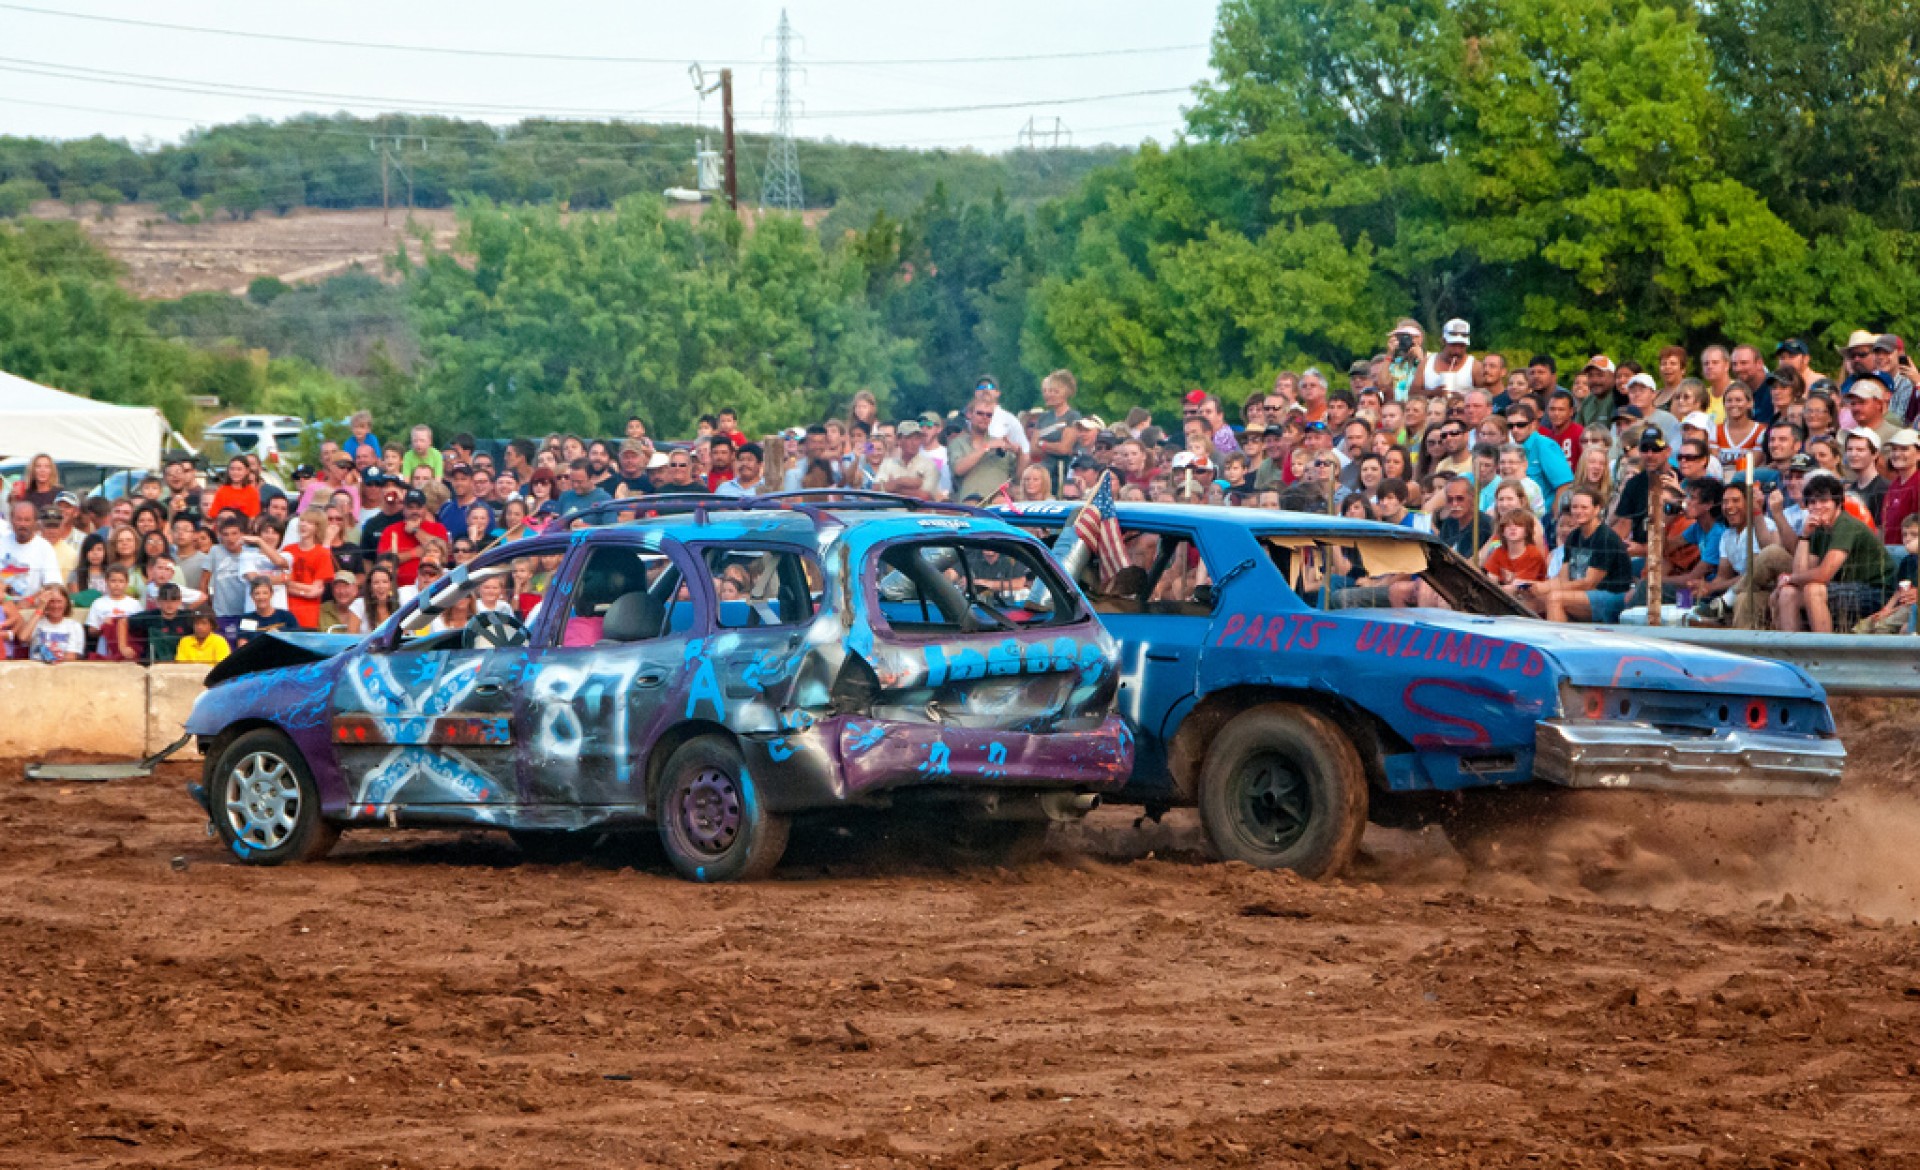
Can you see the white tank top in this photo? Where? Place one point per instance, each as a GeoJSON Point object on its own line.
{"type": "Point", "coordinates": [1458, 382]}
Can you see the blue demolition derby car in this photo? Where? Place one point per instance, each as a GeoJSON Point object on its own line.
{"type": "Point", "coordinates": [711, 668]}
{"type": "Point", "coordinates": [1291, 674]}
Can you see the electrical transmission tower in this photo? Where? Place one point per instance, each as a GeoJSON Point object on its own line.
{"type": "Point", "coordinates": [780, 189]}
{"type": "Point", "coordinates": [1034, 136]}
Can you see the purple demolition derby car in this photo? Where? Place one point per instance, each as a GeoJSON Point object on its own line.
{"type": "Point", "coordinates": [713, 668]}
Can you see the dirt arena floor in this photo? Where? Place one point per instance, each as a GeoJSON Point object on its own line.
{"type": "Point", "coordinates": [1638, 985]}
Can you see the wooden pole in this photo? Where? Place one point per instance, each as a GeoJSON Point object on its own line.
{"type": "Point", "coordinates": [729, 179]}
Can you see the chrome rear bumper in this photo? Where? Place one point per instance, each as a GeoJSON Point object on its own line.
{"type": "Point", "coordinates": [1732, 763]}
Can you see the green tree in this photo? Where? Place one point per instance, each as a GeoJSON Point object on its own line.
{"type": "Point", "coordinates": [592, 318]}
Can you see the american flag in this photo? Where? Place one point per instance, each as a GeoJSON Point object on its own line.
{"type": "Point", "coordinates": [1099, 525]}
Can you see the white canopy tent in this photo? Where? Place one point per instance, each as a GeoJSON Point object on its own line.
{"type": "Point", "coordinates": [72, 429]}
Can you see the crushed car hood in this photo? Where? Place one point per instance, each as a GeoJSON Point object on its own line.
{"type": "Point", "coordinates": [1595, 658]}
{"type": "Point", "coordinates": [277, 650]}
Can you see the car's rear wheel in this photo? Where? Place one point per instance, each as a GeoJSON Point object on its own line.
{"type": "Point", "coordinates": [1282, 788]}
{"type": "Point", "coordinates": [712, 824]}
{"type": "Point", "coordinates": [265, 806]}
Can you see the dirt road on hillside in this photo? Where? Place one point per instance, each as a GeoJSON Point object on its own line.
{"type": "Point", "coordinates": [424, 1000]}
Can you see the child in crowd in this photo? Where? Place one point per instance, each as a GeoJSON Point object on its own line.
{"type": "Point", "coordinates": [203, 645]}
{"type": "Point", "coordinates": [1896, 616]}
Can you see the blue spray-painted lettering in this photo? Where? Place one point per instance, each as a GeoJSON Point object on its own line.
{"type": "Point", "coordinates": [939, 761]}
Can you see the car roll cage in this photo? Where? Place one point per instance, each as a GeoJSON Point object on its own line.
{"type": "Point", "coordinates": [816, 504]}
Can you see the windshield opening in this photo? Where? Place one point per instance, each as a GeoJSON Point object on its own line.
{"type": "Point", "coordinates": [1374, 572]}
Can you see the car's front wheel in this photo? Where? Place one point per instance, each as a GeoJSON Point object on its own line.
{"type": "Point", "coordinates": [1282, 788]}
{"type": "Point", "coordinates": [712, 825]}
{"type": "Point", "coordinates": [265, 806]}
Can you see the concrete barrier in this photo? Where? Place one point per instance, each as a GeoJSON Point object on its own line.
{"type": "Point", "coordinates": [106, 708]}
{"type": "Point", "coordinates": [75, 706]}
{"type": "Point", "coordinates": [171, 690]}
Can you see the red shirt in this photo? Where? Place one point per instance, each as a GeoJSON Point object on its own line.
{"type": "Point", "coordinates": [1569, 439]}
{"type": "Point", "coordinates": [396, 539]}
{"type": "Point", "coordinates": [1902, 500]}
{"type": "Point", "coordinates": [716, 478]}
{"type": "Point", "coordinates": [310, 566]}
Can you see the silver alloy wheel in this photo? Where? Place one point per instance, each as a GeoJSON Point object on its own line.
{"type": "Point", "coordinates": [262, 801]}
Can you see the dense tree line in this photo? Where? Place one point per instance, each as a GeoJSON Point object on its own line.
{"type": "Point", "coordinates": [1573, 176]}
{"type": "Point", "coordinates": [249, 168]}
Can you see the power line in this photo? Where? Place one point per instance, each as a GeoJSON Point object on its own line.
{"type": "Point", "coordinates": [91, 75]}
{"type": "Point", "coordinates": [1065, 101]}
{"type": "Point", "coordinates": [579, 58]}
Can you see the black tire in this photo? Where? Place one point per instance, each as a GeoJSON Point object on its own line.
{"type": "Point", "coordinates": [553, 846]}
{"type": "Point", "coordinates": [712, 826]}
{"type": "Point", "coordinates": [264, 805]}
{"type": "Point", "coordinates": [1282, 788]}
{"type": "Point", "coordinates": [975, 842]}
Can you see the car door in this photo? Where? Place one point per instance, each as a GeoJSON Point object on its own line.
{"type": "Point", "coordinates": [1159, 607]}
{"type": "Point", "coordinates": [765, 599]}
{"type": "Point", "coordinates": [613, 664]}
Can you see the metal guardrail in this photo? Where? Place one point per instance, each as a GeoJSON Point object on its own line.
{"type": "Point", "coordinates": [1845, 664]}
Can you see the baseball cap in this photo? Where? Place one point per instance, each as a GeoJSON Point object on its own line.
{"type": "Point", "coordinates": [1699, 420]}
{"type": "Point", "coordinates": [1642, 380]}
{"type": "Point", "coordinates": [1194, 397]}
{"type": "Point", "coordinates": [1800, 462]}
{"type": "Point", "coordinates": [1629, 412]}
{"type": "Point", "coordinates": [1083, 463]}
{"type": "Point", "coordinates": [1871, 436]}
{"type": "Point", "coordinates": [304, 471]}
{"type": "Point", "coordinates": [928, 418]}
{"type": "Point", "coordinates": [1886, 343]}
{"type": "Point", "coordinates": [1094, 422]}
{"type": "Point", "coordinates": [1861, 339]}
{"type": "Point", "coordinates": [1866, 388]}
{"type": "Point", "coordinates": [460, 469]}
{"type": "Point", "coordinates": [1651, 439]}
{"type": "Point", "coordinates": [659, 460]}
{"type": "Point", "coordinates": [1456, 331]}
{"type": "Point", "coordinates": [415, 496]}
{"type": "Point", "coordinates": [67, 498]}
{"type": "Point", "coordinates": [1793, 345]}
{"type": "Point", "coordinates": [1360, 369]}
{"type": "Point", "coordinates": [1905, 437]}
{"type": "Point", "coordinates": [349, 578]}
{"type": "Point", "coordinates": [50, 515]}
{"type": "Point", "coordinates": [1599, 361]}
{"type": "Point", "coordinates": [905, 428]}
{"type": "Point", "coordinates": [986, 382]}
{"type": "Point", "coordinates": [632, 447]}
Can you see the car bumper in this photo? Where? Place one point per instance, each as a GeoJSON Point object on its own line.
{"type": "Point", "coordinates": [1734, 763]}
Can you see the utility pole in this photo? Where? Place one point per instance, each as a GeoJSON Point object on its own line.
{"type": "Point", "coordinates": [388, 164]}
{"type": "Point", "coordinates": [781, 187]}
{"type": "Point", "coordinates": [1031, 134]}
{"type": "Point", "coordinates": [732, 179]}
{"type": "Point", "coordinates": [385, 189]}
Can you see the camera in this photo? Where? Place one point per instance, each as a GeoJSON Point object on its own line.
{"type": "Point", "coordinates": [1402, 345]}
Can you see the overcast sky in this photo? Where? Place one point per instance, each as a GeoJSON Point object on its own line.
{"type": "Point", "coordinates": [63, 78]}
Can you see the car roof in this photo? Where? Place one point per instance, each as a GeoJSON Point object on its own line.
{"type": "Point", "coordinates": [1258, 520]}
{"type": "Point", "coordinates": [789, 525]}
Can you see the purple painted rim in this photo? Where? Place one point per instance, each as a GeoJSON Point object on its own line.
{"type": "Point", "coordinates": [711, 812]}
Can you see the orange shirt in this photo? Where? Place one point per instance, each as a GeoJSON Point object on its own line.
{"type": "Point", "coordinates": [309, 566]}
{"type": "Point", "coordinates": [1530, 565]}
{"type": "Point", "coordinates": [244, 500]}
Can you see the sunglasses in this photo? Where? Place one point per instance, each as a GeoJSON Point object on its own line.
{"type": "Point", "coordinates": [1689, 456]}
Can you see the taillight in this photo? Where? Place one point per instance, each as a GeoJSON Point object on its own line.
{"type": "Point", "coordinates": [1596, 704]}
{"type": "Point", "coordinates": [1757, 715]}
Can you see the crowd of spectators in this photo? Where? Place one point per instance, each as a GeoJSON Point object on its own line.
{"type": "Point", "coordinates": [1778, 495]}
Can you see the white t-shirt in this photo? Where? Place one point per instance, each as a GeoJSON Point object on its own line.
{"type": "Point", "coordinates": [65, 636]}
{"type": "Point", "coordinates": [104, 610]}
{"type": "Point", "coordinates": [1438, 382]}
{"type": "Point", "coordinates": [26, 568]}
{"type": "Point", "coordinates": [1006, 425]}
